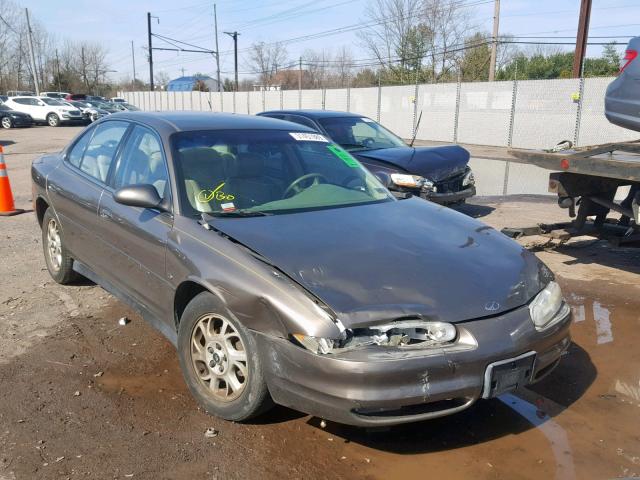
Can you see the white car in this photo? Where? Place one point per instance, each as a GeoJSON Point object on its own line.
{"type": "Point", "coordinates": [46, 110]}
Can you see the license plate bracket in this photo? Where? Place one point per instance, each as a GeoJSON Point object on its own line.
{"type": "Point", "coordinates": [509, 374]}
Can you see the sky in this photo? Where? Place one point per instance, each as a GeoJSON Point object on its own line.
{"type": "Point", "coordinates": [116, 23]}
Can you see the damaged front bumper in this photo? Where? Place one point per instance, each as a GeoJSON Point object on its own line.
{"type": "Point", "coordinates": [446, 198]}
{"type": "Point", "coordinates": [379, 386]}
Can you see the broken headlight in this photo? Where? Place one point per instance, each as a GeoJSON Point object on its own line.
{"type": "Point", "coordinates": [405, 180]}
{"type": "Point", "coordinates": [547, 306]}
{"type": "Point", "coordinates": [409, 333]}
{"type": "Point", "coordinates": [468, 179]}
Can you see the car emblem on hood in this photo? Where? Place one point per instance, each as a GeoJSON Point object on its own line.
{"type": "Point", "coordinates": [491, 306]}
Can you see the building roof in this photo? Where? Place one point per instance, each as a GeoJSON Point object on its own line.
{"type": "Point", "coordinates": [185, 84]}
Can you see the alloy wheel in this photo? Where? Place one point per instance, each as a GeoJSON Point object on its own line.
{"type": "Point", "coordinates": [6, 122]}
{"type": "Point", "coordinates": [54, 244]}
{"type": "Point", "coordinates": [219, 357]}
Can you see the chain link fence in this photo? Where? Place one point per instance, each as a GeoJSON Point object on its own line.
{"type": "Point", "coordinates": [524, 114]}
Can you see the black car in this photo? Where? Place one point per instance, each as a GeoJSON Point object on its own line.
{"type": "Point", "coordinates": [10, 118]}
{"type": "Point", "coordinates": [440, 174]}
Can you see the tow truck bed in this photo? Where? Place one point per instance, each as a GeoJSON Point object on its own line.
{"type": "Point", "coordinates": [588, 178]}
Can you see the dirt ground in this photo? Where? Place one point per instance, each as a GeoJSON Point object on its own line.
{"type": "Point", "coordinates": [83, 397]}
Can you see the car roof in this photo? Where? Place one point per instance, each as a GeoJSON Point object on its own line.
{"type": "Point", "coordinates": [316, 113]}
{"type": "Point", "coordinates": [193, 121]}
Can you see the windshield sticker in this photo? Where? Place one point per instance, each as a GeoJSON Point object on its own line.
{"type": "Point", "coordinates": [365, 119]}
{"type": "Point", "coordinates": [308, 137]}
{"type": "Point", "coordinates": [344, 156]}
{"type": "Point", "coordinates": [228, 207]}
{"type": "Point", "coordinates": [205, 196]}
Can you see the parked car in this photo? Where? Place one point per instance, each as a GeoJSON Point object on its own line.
{"type": "Point", "coordinates": [89, 112]}
{"type": "Point", "coordinates": [10, 118]}
{"type": "Point", "coordinates": [75, 96]}
{"type": "Point", "coordinates": [283, 270]}
{"type": "Point", "coordinates": [622, 100]}
{"type": "Point", "coordinates": [126, 107]}
{"type": "Point", "coordinates": [440, 174]}
{"type": "Point", "coordinates": [20, 93]}
{"type": "Point", "coordinates": [96, 98]}
{"type": "Point", "coordinates": [118, 100]}
{"type": "Point", "coordinates": [46, 110]}
{"type": "Point", "coordinates": [60, 95]}
{"type": "Point", "coordinates": [106, 106]}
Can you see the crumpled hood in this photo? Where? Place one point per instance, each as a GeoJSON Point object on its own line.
{"type": "Point", "coordinates": [434, 163]}
{"type": "Point", "coordinates": [380, 262]}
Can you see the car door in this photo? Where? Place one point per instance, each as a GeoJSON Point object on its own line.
{"type": "Point", "coordinates": [76, 186]}
{"type": "Point", "coordinates": [24, 105]}
{"type": "Point", "coordinates": [138, 236]}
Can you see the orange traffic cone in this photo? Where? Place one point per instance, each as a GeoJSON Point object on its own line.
{"type": "Point", "coordinates": [7, 208]}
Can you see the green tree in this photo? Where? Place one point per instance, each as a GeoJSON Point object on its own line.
{"type": "Point", "coordinates": [475, 62]}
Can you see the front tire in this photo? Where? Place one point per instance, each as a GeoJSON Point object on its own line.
{"type": "Point", "coordinates": [220, 362]}
{"type": "Point", "coordinates": [7, 122]}
{"type": "Point", "coordinates": [59, 262]}
{"type": "Point", "coordinates": [53, 120]}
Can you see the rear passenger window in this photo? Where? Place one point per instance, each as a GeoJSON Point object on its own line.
{"type": "Point", "coordinates": [101, 149]}
{"type": "Point", "coordinates": [75, 155]}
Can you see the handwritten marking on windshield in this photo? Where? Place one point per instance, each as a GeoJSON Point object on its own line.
{"type": "Point", "coordinates": [206, 196]}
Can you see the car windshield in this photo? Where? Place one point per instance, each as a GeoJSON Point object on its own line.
{"type": "Point", "coordinates": [253, 172]}
{"type": "Point", "coordinates": [133, 108]}
{"type": "Point", "coordinates": [360, 133]}
{"type": "Point", "coordinates": [80, 104]}
{"type": "Point", "coordinates": [52, 101]}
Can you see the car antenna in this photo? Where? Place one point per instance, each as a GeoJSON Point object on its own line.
{"type": "Point", "coordinates": [415, 132]}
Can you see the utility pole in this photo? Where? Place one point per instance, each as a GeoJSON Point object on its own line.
{"type": "Point", "coordinates": [150, 52]}
{"type": "Point", "coordinates": [215, 22]}
{"type": "Point", "coordinates": [182, 70]}
{"type": "Point", "coordinates": [494, 40]}
{"type": "Point", "coordinates": [581, 39]}
{"type": "Point", "coordinates": [33, 56]}
{"type": "Point", "coordinates": [58, 68]}
{"type": "Point", "coordinates": [133, 61]}
{"type": "Point", "coordinates": [234, 35]}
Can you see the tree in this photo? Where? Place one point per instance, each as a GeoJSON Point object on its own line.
{"type": "Point", "coordinates": [265, 59]}
{"type": "Point", "coordinates": [474, 65]}
{"type": "Point", "coordinates": [161, 79]}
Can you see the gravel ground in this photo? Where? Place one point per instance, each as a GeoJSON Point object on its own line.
{"type": "Point", "coordinates": [82, 397]}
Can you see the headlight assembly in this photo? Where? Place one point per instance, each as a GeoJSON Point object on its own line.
{"type": "Point", "coordinates": [405, 180]}
{"type": "Point", "coordinates": [408, 333]}
{"type": "Point", "coordinates": [468, 179]}
{"type": "Point", "coordinates": [548, 307]}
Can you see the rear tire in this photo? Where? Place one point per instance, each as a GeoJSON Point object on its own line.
{"type": "Point", "coordinates": [53, 120]}
{"type": "Point", "coordinates": [59, 262]}
{"type": "Point", "coordinates": [7, 122]}
{"type": "Point", "coordinates": [220, 361]}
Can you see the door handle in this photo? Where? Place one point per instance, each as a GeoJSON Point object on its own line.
{"type": "Point", "coordinates": [53, 188]}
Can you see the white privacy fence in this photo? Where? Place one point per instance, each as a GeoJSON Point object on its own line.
{"type": "Point", "coordinates": [525, 113]}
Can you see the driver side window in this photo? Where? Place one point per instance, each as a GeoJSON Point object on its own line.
{"type": "Point", "coordinates": [142, 162]}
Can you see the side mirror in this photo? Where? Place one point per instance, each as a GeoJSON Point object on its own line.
{"type": "Point", "coordinates": [140, 195]}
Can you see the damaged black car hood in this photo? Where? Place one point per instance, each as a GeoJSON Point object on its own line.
{"type": "Point", "coordinates": [398, 259]}
{"type": "Point", "coordinates": [433, 163]}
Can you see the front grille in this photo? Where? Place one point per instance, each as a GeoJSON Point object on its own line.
{"type": "Point", "coordinates": [451, 184]}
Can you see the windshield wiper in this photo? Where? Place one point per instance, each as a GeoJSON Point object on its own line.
{"type": "Point", "coordinates": [238, 213]}
{"type": "Point", "coordinates": [353, 145]}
